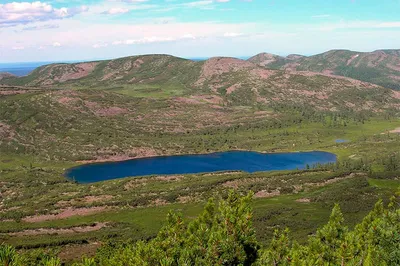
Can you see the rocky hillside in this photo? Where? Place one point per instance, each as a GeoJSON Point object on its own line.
{"type": "Point", "coordinates": [243, 83]}
{"type": "Point", "coordinates": [232, 81]}
{"type": "Point", "coordinates": [380, 67]}
{"type": "Point", "coordinates": [6, 76]}
{"type": "Point", "coordinates": [129, 70]}
{"type": "Point", "coordinates": [134, 106]}
{"type": "Point", "coordinates": [269, 60]}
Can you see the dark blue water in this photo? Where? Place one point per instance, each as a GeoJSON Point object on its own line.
{"type": "Point", "coordinates": [191, 164]}
{"type": "Point", "coordinates": [20, 69]}
{"type": "Point", "coordinates": [23, 68]}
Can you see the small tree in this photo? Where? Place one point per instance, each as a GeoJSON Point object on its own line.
{"type": "Point", "coordinates": [324, 246]}
{"type": "Point", "coordinates": [9, 256]}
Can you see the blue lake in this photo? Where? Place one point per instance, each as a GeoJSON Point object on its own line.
{"type": "Point", "coordinates": [190, 164]}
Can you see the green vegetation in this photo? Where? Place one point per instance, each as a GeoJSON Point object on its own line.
{"type": "Point", "coordinates": [379, 67]}
{"type": "Point", "coordinates": [148, 71]}
{"type": "Point", "coordinates": [223, 234]}
{"type": "Point", "coordinates": [161, 105]}
{"type": "Point", "coordinates": [136, 207]}
{"type": "Point", "coordinates": [94, 124]}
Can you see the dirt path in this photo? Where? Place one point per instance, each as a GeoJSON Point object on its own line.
{"type": "Point", "coordinates": [397, 130]}
{"type": "Point", "coordinates": [66, 213]}
{"type": "Point", "coordinates": [48, 231]}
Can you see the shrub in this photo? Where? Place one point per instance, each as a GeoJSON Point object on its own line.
{"type": "Point", "coordinates": [223, 235]}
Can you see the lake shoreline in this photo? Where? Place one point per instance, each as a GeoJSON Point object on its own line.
{"type": "Point", "coordinates": [234, 160]}
{"type": "Point", "coordinates": [123, 158]}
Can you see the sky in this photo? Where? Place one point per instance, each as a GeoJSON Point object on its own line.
{"type": "Point", "coordinates": [71, 30]}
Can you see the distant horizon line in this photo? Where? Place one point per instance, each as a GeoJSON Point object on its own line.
{"type": "Point", "coordinates": [104, 59]}
{"type": "Point", "coordinates": [188, 58]}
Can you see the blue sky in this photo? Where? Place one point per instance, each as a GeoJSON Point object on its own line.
{"type": "Point", "coordinates": [82, 30]}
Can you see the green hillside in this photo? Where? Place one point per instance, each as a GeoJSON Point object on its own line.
{"type": "Point", "coordinates": [65, 115]}
{"type": "Point", "coordinates": [380, 67]}
{"type": "Point", "coordinates": [144, 73]}
{"type": "Point", "coordinates": [223, 234]}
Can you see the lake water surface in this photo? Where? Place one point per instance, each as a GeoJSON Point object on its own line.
{"type": "Point", "coordinates": [190, 164]}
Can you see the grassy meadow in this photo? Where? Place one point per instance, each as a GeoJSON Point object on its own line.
{"type": "Point", "coordinates": [135, 208]}
{"type": "Point", "coordinates": [44, 132]}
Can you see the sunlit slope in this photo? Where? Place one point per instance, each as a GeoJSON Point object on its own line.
{"type": "Point", "coordinates": [381, 67]}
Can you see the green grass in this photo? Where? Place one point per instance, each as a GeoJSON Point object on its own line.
{"type": "Point", "coordinates": [384, 184]}
{"type": "Point", "coordinates": [365, 67]}
{"type": "Point", "coordinates": [46, 128]}
{"type": "Point", "coordinates": [45, 136]}
{"type": "Point", "coordinates": [269, 214]}
{"type": "Point", "coordinates": [154, 91]}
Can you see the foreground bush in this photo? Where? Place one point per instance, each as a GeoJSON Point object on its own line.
{"type": "Point", "coordinates": [223, 235]}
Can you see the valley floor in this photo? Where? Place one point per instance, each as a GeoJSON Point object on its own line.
{"type": "Point", "coordinates": [41, 209]}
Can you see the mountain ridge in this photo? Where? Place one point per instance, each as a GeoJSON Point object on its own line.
{"type": "Point", "coordinates": [381, 67]}
{"type": "Point", "coordinates": [233, 81]}
{"type": "Point", "coordinates": [83, 69]}
{"type": "Point", "coordinates": [6, 75]}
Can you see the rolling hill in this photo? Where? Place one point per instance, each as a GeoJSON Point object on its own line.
{"type": "Point", "coordinates": [149, 103]}
{"type": "Point", "coordinates": [136, 69]}
{"type": "Point", "coordinates": [6, 75]}
{"type": "Point", "coordinates": [232, 81]}
{"type": "Point", "coordinates": [64, 115]}
{"type": "Point", "coordinates": [381, 67]}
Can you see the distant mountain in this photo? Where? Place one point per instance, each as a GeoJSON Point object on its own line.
{"type": "Point", "coordinates": [244, 83]}
{"type": "Point", "coordinates": [233, 81]}
{"type": "Point", "coordinates": [380, 67]}
{"type": "Point", "coordinates": [6, 75]}
{"type": "Point", "coordinates": [128, 70]}
{"type": "Point", "coordinates": [269, 60]}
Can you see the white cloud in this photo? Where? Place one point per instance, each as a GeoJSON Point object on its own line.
{"type": "Point", "coordinates": [202, 4]}
{"type": "Point", "coordinates": [130, 1]}
{"type": "Point", "coordinates": [188, 36]}
{"type": "Point", "coordinates": [117, 42]}
{"type": "Point", "coordinates": [17, 13]}
{"type": "Point", "coordinates": [395, 24]}
{"type": "Point", "coordinates": [152, 39]}
{"type": "Point", "coordinates": [41, 27]}
{"type": "Point", "coordinates": [56, 44]}
{"type": "Point", "coordinates": [232, 34]}
{"type": "Point", "coordinates": [116, 10]}
{"type": "Point", "coordinates": [87, 34]}
{"type": "Point", "coordinates": [100, 45]}
{"type": "Point", "coordinates": [119, 8]}
{"type": "Point", "coordinates": [156, 39]}
{"type": "Point", "coordinates": [18, 48]}
{"type": "Point", "coordinates": [348, 25]}
{"type": "Point", "coordinates": [197, 3]}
